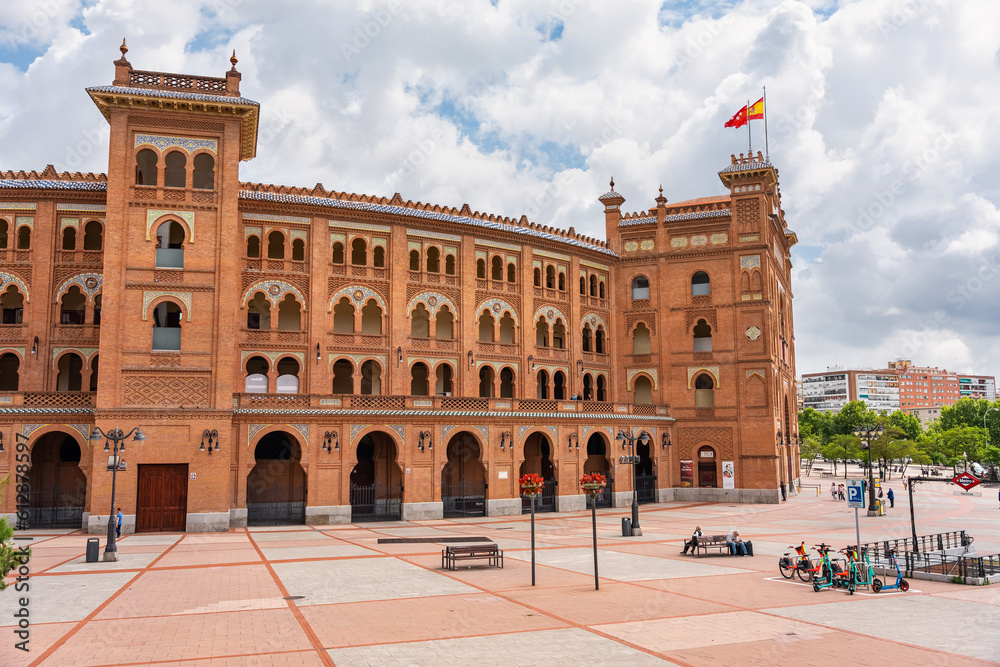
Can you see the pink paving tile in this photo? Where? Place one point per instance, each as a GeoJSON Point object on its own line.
{"type": "Point", "coordinates": [183, 637]}
{"type": "Point", "coordinates": [42, 637]}
{"type": "Point", "coordinates": [298, 659]}
{"type": "Point", "coordinates": [189, 558]}
{"type": "Point", "coordinates": [747, 591]}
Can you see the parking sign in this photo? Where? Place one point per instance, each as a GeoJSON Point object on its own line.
{"type": "Point", "coordinates": [856, 493]}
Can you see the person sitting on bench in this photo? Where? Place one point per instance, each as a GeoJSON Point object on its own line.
{"type": "Point", "coordinates": [736, 545]}
{"type": "Point", "coordinates": [692, 544]}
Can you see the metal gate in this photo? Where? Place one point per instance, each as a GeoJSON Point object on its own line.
{"type": "Point", "coordinates": [645, 486]}
{"type": "Point", "coordinates": [376, 502]}
{"type": "Point", "coordinates": [44, 514]}
{"type": "Point", "coordinates": [605, 497]}
{"type": "Point", "coordinates": [276, 514]}
{"type": "Point", "coordinates": [544, 502]}
{"type": "Point", "coordinates": [465, 499]}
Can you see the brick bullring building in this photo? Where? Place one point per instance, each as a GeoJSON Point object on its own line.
{"type": "Point", "coordinates": [303, 355]}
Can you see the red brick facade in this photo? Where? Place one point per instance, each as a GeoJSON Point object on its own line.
{"type": "Point", "coordinates": [340, 305]}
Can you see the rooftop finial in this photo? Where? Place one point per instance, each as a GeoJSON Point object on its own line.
{"type": "Point", "coordinates": [123, 48]}
{"type": "Point", "coordinates": [233, 60]}
{"type": "Point", "coordinates": [612, 183]}
{"type": "Point", "coordinates": [661, 188]}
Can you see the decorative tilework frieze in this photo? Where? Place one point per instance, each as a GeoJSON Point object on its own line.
{"type": "Point", "coordinates": [750, 374]}
{"type": "Point", "coordinates": [400, 431]}
{"type": "Point", "coordinates": [92, 208]}
{"type": "Point", "coordinates": [749, 238]}
{"type": "Point", "coordinates": [357, 428]}
{"type": "Point", "coordinates": [711, 370]}
{"type": "Point", "coordinates": [554, 430]}
{"type": "Point", "coordinates": [330, 401]}
{"type": "Point", "coordinates": [9, 279]}
{"type": "Point", "coordinates": [69, 222]}
{"type": "Point", "coordinates": [414, 245]}
{"type": "Point", "coordinates": [699, 240]}
{"type": "Point", "coordinates": [19, 350]}
{"type": "Point", "coordinates": [359, 295]}
{"type": "Point", "coordinates": [432, 362]}
{"type": "Point", "coordinates": [445, 430]}
{"type": "Point", "coordinates": [358, 359]}
{"type": "Point", "coordinates": [16, 206]}
{"type": "Point", "coordinates": [28, 429]}
{"type": "Point", "coordinates": [360, 226]}
{"type": "Point", "coordinates": [304, 430]}
{"type": "Point", "coordinates": [497, 366]}
{"type": "Point", "coordinates": [83, 430]}
{"type": "Point", "coordinates": [611, 433]}
{"type": "Point", "coordinates": [594, 320]}
{"type": "Point", "coordinates": [678, 242]}
{"type": "Point", "coordinates": [498, 244]}
{"type": "Point", "coordinates": [89, 283]}
{"type": "Point", "coordinates": [334, 238]}
{"type": "Point", "coordinates": [300, 234]}
{"type": "Point", "coordinates": [295, 220]}
{"type": "Point", "coordinates": [251, 230]}
{"type": "Point", "coordinates": [6, 400]}
{"type": "Point", "coordinates": [379, 242]}
{"type": "Point", "coordinates": [521, 430]}
{"type": "Point", "coordinates": [632, 372]}
{"type": "Point", "coordinates": [273, 355]}
{"type": "Point", "coordinates": [187, 144]}
{"type": "Point", "coordinates": [551, 255]}
{"type": "Point", "coordinates": [498, 307]}
{"type": "Point", "coordinates": [433, 235]}
{"type": "Point", "coordinates": [631, 246]}
{"type": "Point", "coordinates": [750, 262]}
{"type": "Point", "coordinates": [149, 297]}
{"type": "Point", "coordinates": [484, 431]}
{"type": "Point", "coordinates": [550, 313]}
{"type": "Point", "coordinates": [647, 244]}
{"type": "Point", "coordinates": [275, 291]}
{"type": "Point", "coordinates": [153, 216]}
{"type": "Point", "coordinates": [85, 352]}
{"type": "Point", "coordinates": [552, 369]}
{"type": "Point", "coordinates": [594, 265]}
{"type": "Point", "coordinates": [253, 431]}
{"type": "Point", "coordinates": [433, 301]}
{"type": "Point", "coordinates": [586, 430]}
{"type": "Point", "coordinates": [722, 237]}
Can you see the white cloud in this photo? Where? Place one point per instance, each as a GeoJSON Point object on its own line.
{"type": "Point", "coordinates": [881, 121]}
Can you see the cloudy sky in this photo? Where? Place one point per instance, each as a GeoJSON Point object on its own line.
{"type": "Point", "coordinates": [882, 122]}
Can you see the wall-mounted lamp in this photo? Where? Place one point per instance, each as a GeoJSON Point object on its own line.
{"type": "Point", "coordinates": [531, 363]}
{"type": "Point", "coordinates": [211, 436]}
{"type": "Point", "coordinates": [330, 441]}
{"type": "Point", "coordinates": [579, 367]}
{"type": "Point", "coordinates": [779, 438]}
{"type": "Point", "coordinates": [34, 347]}
{"type": "Point", "coordinates": [572, 438]}
{"type": "Point", "coordinates": [471, 359]}
{"type": "Point", "coordinates": [504, 437]}
{"type": "Point", "coordinates": [317, 353]}
{"type": "Point", "coordinates": [425, 436]}
{"type": "Point", "coordinates": [665, 441]}
{"type": "Point", "coordinates": [399, 355]}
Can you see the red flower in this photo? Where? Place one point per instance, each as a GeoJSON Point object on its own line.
{"type": "Point", "coordinates": [531, 480]}
{"type": "Point", "coordinates": [594, 478]}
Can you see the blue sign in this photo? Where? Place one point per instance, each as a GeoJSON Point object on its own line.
{"type": "Point", "coordinates": [856, 493]}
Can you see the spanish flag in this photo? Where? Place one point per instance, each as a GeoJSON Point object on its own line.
{"type": "Point", "coordinates": [756, 111]}
{"type": "Point", "coordinates": [739, 120]}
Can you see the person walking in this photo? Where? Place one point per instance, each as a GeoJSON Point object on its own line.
{"type": "Point", "coordinates": [118, 528]}
{"type": "Point", "coordinates": [892, 498]}
{"type": "Point", "coordinates": [833, 490]}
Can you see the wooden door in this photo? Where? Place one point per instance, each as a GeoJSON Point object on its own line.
{"type": "Point", "coordinates": [162, 498]}
{"type": "Point", "coordinates": [706, 475]}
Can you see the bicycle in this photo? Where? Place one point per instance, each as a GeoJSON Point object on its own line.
{"type": "Point", "coordinates": [801, 566]}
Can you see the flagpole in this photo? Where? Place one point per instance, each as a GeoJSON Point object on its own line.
{"type": "Point", "coordinates": [767, 152]}
{"type": "Point", "coordinates": [749, 138]}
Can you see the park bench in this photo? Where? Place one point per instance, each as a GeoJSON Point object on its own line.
{"type": "Point", "coordinates": [450, 555]}
{"type": "Point", "coordinates": [706, 542]}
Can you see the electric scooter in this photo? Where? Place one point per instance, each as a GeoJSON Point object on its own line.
{"type": "Point", "coordinates": [831, 574]}
{"type": "Point", "coordinates": [901, 584]}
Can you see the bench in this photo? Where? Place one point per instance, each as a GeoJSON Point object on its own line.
{"type": "Point", "coordinates": [706, 542]}
{"type": "Point", "coordinates": [451, 555]}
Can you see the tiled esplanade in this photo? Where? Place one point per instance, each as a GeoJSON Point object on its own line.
{"type": "Point", "coordinates": [306, 355]}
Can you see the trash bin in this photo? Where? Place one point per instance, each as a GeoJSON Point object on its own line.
{"type": "Point", "coordinates": [626, 527]}
{"type": "Point", "coordinates": [93, 548]}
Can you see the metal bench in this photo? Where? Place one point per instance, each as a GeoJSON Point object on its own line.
{"type": "Point", "coordinates": [450, 555]}
{"type": "Point", "coordinates": [706, 542]}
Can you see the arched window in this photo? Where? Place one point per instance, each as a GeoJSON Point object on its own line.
{"type": "Point", "coordinates": [24, 238]}
{"type": "Point", "coordinates": [444, 324]}
{"type": "Point", "coordinates": [599, 340]}
{"type": "Point", "coordinates": [593, 285]}
{"type": "Point", "coordinates": [485, 382]}
{"type": "Point", "coordinates": [259, 312]}
{"type": "Point", "coordinates": [640, 287]}
{"type": "Point", "coordinates": [538, 277]}
{"type": "Point", "coordinates": [507, 328]}
{"type": "Point", "coordinates": [12, 305]}
{"type": "Point", "coordinates": [93, 236]}
{"type": "Point", "coordinates": [167, 326]}
{"type": "Point", "coordinates": [443, 384]}
{"type": "Point", "coordinates": [586, 338]}
{"type": "Point", "coordinates": [745, 281]}
{"type": "Point", "coordinates": [414, 260]}
{"type": "Point", "coordinates": [289, 314]}
{"type": "Point", "coordinates": [562, 281]}
{"type": "Point", "coordinates": [69, 239]}
{"type": "Point", "coordinates": [559, 335]}
{"type": "Point", "coordinates": [10, 378]}
{"type": "Point", "coordinates": [95, 367]}
{"type": "Point", "coordinates": [97, 310]}
{"type": "Point", "coordinates": [359, 252]}
{"type": "Point", "coordinates": [559, 386]}
{"type": "Point", "coordinates": [174, 175]}
{"type": "Point", "coordinates": [550, 277]}
{"type": "Point", "coordinates": [583, 286]}
{"type": "Point", "coordinates": [378, 257]}
{"type": "Point", "coordinates": [497, 268]}
{"type": "Point", "coordinates": [204, 172]}
{"type": "Point", "coordinates": [420, 321]}
{"type": "Point", "coordinates": [170, 246]}
{"type": "Point", "coordinates": [700, 284]}
{"type": "Point", "coordinates": [70, 377]}
{"type": "Point", "coordinates": [702, 337]}
{"type": "Point", "coordinates": [704, 391]}
{"type": "Point", "coordinates": [275, 245]}
{"type": "Point", "coordinates": [449, 265]}
{"type": "Point", "coordinates": [481, 269]}
{"type": "Point", "coordinates": [338, 253]}
{"type": "Point", "coordinates": [640, 339]}
{"type": "Point", "coordinates": [288, 376]}
{"type": "Point", "coordinates": [253, 247]}
{"type": "Point", "coordinates": [256, 381]}
{"type": "Point", "coordinates": [371, 378]}
{"type": "Point", "coordinates": [643, 391]}
{"type": "Point", "coordinates": [506, 383]}
{"type": "Point", "coordinates": [418, 380]}
{"type": "Point", "coordinates": [511, 273]}
{"type": "Point", "coordinates": [433, 260]}
{"type": "Point", "coordinates": [145, 167]}
{"type": "Point", "coordinates": [542, 333]}
{"type": "Point", "coordinates": [343, 316]}
{"type": "Point", "coordinates": [755, 281]}
{"type": "Point", "coordinates": [486, 327]}
{"type": "Point", "coordinates": [371, 319]}
{"type": "Point", "coordinates": [600, 289]}
{"type": "Point", "coordinates": [543, 384]}
{"type": "Point", "coordinates": [74, 307]}
{"type": "Point", "coordinates": [343, 377]}
{"type": "Point", "coordinates": [588, 387]}
{"type": "Point", "coordinates": [4, 227]}
{"type": "Point", "coordinates": [298, 250]}
{"type": "Point", "coordinates": [601, 389]}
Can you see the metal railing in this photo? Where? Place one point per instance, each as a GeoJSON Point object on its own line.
{"type": "Point", "coordinates": [951, 565]}
{"type": "Point", "coordinates": [926, 544]}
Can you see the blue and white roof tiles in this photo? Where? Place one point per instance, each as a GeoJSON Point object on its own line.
{"type": "Point", "coordinates": [175, 95]}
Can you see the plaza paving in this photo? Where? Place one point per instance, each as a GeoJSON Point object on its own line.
{"type": "Point", "coordinates": [322, 595]}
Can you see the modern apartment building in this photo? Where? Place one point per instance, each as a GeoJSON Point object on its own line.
{"type": "Point", "coordinates": [832, 390]}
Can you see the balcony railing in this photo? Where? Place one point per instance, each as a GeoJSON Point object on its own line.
{"type": "Point", "coordinates": [47, 399]}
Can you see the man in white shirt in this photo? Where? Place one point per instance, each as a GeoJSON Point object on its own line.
{"type": "Point", "coordinates": [736, 546]}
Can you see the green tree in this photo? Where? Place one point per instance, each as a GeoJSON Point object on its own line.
{"type": "Point", "coordinates": [841, 448]}
{"type": "Point", "coordinates": [906, 423]}
{"type": "Point", "coordinates": [813, 423]}
{"type": "Point", "coordinates": [962, 442]}
{"type": "Point", "coordinates": [850, 416]}
{"type": "Point", "coordinates": [10, 554]}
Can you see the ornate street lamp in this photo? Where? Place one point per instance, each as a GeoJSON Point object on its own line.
{"type": "Point", "coordinates": [633, 460]}
{"type": "Point", "coordinates": [118, 437]}
{"type": "Point", "coordinates": [867, 431]}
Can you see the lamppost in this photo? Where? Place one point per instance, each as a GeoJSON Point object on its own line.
{"type": "Point", "coordinates": [117, 436]}
{"type": "Point", "coordinates": [633, 460]}
{"type": "Point", "coordinates": [988, 411]}
{"type": "Point", "coordinates": [867, 431]}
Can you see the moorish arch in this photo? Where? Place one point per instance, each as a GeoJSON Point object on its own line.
{"type": "Point", "coordinates": [58, 483]}
{"type": "Point", "coordinates": [598, 451]}
{"type": "Point", "coordinates": [463, 477]}
{"type": "Point", "coordinates": [7, 278]}
{"type": "Point", "coordinates": [275, 291]}
{"type": "Point", "coordinates": [358, 295]}
{"type": "Point", "coordinates": [276, 485]}
{"type": "Point", "coordinates": [376, 479]}
{"type": "Point", "coordinates": [537, 458]}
